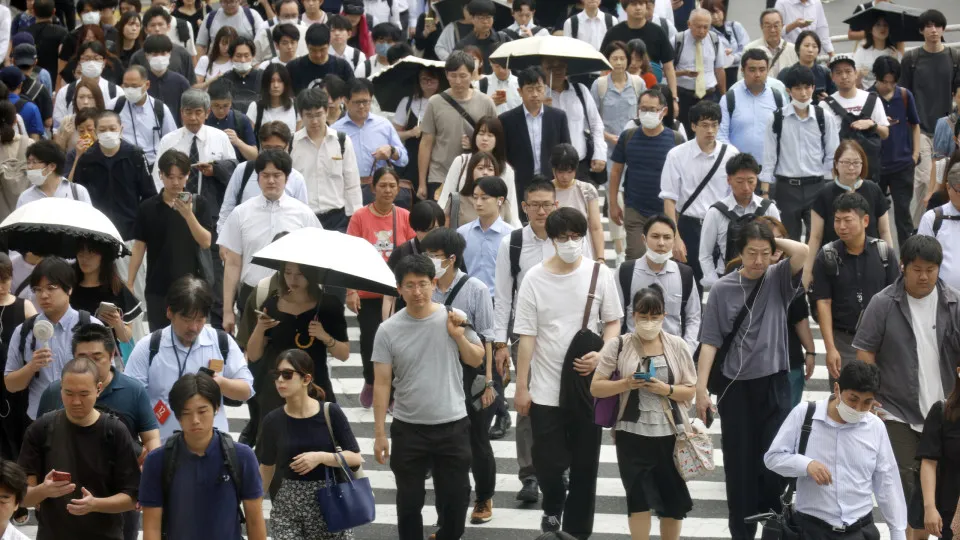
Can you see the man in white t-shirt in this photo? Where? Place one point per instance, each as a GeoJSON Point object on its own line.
{"type": "Point", "coordinates": [548, 315]}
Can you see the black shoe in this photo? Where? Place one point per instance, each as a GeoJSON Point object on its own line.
{"type": "Point", "coordinates": [530, 492]}
{"type": "Point", "coordinates": [550, 524]}
{"type": "Point", "coordinates": [500, 427]}
{"type": "Point", "coordinates": [566, 479]}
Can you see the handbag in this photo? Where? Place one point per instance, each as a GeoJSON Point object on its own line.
{"type": "Point", "coordinates": [349, 503]}
{"type": "Point", "coordinates": [575, 398]}
{"type": "Point", "coordinates": [606, 410]}
{"type": "Point", "coordinates": [693, 451]}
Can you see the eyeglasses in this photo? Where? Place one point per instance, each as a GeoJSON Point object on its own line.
{"type": "Point", "coordinates": [422, 286]}
{"type": "Point", "coordinates": [850, 164]}
{"type": "Point", "coordinates": [50, 289]}
{"type": "Point", "coordinates": [286, 374]}
{"type": "Point", "coordinates": [536, 207]}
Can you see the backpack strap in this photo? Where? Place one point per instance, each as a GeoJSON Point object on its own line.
{"type": "Point", "coordinates": [26, 329]}
{"type": "Point", "coordinates": [455, 290]}
{"type": "Point", "coordinates": [183, 33]}
{"type": "Point", "coordinates": [727, 213]}
{"type": "Point", "coordinates": [223, 341]}
{"type": "Point", "coordinates": [454, 210]}
{"type": "Point", "coordinates": [71, 90]}
{"type": "Point", "coordinates": [731, 102]}
{"type": "Point", "coordinates": [937, 223]}
{"type": "Point", "coordinates": [74, 191]}
{"type": "Point", "coordinates": [244, 178]}
{"type": "Point", "coordinates": [154, 346]}
{"type": "Point", "coordinates": [342, 139]}
{"type": "Point", "coordinates": [232, 463]}
{"type": "Point", "coordinates": [171, 449]}
{"type": "Point", "coordinates": [625, 276]}
{"type": "Point", "coordinates": [516, 246]}
{"type": "Point", "coordinates": [602, 84]}
{"type": "Point", "coordinates": [822, 124]}
{"type": "Point", "coordinates": [20, 104]}
{"type": "Point", "coordinates": [484, 85]}
{"type": "Point", "coordinates": [777, 99]}
{"type": "Point", "coordinates": [764, 206]}
{"type": "Point", "coordinates": [356, 57]}
{"type": "Point", "coordinates": [367, 68]}
{"type": "Point", "coordinates": [686, 287]}
{"type": "Point", "coordinates": [609, 20]}
{"type": "Point", "coordinates": [120, 104]}
{"type": "Point", "coordinates": [867, 110]}
{"type": "Point", "coordinates": [261, 112]}
{"type": "Point", "coordinates": [31, 92]}
{"type": "Point", "coordinates": [575, 26]}
{"type": "Point", "coordinates": [111, 90]}
{"type": "Point", "coordinates": [882, 250]}
{"type": "Point", "coordinates": [678, 45]}
{"type": "Point", "coordinates": [831, 258]}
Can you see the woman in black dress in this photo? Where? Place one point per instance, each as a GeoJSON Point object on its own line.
{"type": "Point", "coordinates": [301, 316]}
{"type": "Point", "coordinates": [935, 502]}
{"type": "Point", "coordinates": [13, 407]}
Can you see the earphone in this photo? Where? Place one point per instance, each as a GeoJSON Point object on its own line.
{"type": "Point", "coordinates": [745, 332]}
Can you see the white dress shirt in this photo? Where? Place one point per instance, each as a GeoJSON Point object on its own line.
{"type": "Point", "coordinates": [686, 166]}
{"type": "Point", "coordinates": [812, 10]}
{"type": "Point", "coordinates": [140, 126]}
{"type": "Point", "coordinates": [669, 280]}
{"type": "Point", "coordinates": [801, 153]}
{"type": "Point", "coordinates": [360, 70]}
{"type": "Point", "coordinates": [510, 86]}
{"type": "Point", "coordinates": [860, 461]}
{"type": "Point", "coordinates": [333, 180]}
{"type": "Point", "coordinates": [347, 55]}
{"type": "Point", "coordinates": [949, 229]}
{"type": "Point", "coordinates": [688, 57]}
{"type": "Point", "coordinates": [535, 132]}
{"type": "Point", "coordinates": [714, 233]}
{"type": "Point", "coordinates": [589, 29]}
{"type": "Point", "coordinates": [61, 108]}
{"type": "Point", "coordinates": [212, 145]}
{"type": "Point", "coordinates": [533, 252]}
{"type": "Point", "coordinates": [381, 11]}
{"type": "Point", "coordinates": [569, 103]}
{"type": "Point", "coordinates": [252, 226]}
{"type": "Point", "coordinates": [296, 188]}
{"type": "Point", "coordinates": [64, 191]}
{"type": "Point", "coordinates": [11, 532]}
{"type": "Point", "coordinates": [786, 59]}
{"type": "Point", "coordinates": [264, 40]}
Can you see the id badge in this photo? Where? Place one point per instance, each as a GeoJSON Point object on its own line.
{"type": "Point", "coordinates": [161, 411]}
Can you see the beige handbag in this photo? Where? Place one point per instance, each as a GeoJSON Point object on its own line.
{"type": "Point", "coordinates": [693, 452]}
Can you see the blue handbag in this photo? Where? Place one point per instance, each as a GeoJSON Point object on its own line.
{"type": "Point", "coordinates": [349, 503]}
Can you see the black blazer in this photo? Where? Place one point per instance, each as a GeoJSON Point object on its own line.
{"type": "Point", "coordinates": [519, 152]}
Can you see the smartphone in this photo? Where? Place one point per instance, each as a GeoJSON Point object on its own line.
{"type": "Point", "coordinates": [185, 196]}
{"type": "Point", "coordinates": [59, 476]}
{"type": "Point", "coordinates": [709, 417]}
{"type": "Point", "coordinates": [208, 371]}
{"type": "Point", "coordinates": [646, 375]}
{"type": "Point", "coordinates": [262, 315]}
{"type": "Point", "coordinates": [106, 307]}
{"type": "Point", "coordinates": [428, 20]}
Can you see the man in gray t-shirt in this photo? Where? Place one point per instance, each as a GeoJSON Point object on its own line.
{"type": "Point", "coordinates": [419, 351]}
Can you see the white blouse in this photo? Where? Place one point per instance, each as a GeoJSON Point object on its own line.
{"type": "Point", "coordinates": [457, 175]}
{"type": "Point", "coordinates": [287, 116]}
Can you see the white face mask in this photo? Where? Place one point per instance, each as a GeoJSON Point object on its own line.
{"type": "Point", "coordinates": [848, 414]}
{"type": "Point", "coordinates": [648, 330]}
{"type": "Point", "coordinates": [90, 17]}
{"type": "Point", "coordinates": [289, 21]}
{"type": "Point", "coordinates": [242, 67]}
{"type": "Point", "coordinates": [159, 63]}
{"type": "Point", "coordinates": [570, 251]}
{"type": "Point", "coordinates": [659, 258]}
{"type": "Point", "coordinates": [802, 105]}
{"type": "Point", "coordinates": [36, 176]}
{"type": "Point", "coordinates": [439, 270]}
{"type": "Point", "coordinates": [133, 95]}
{"type": "Point", "coordinates": [91, 68]}
{"type": "Point", "coordinates": [109, 139]}
{"type": "Point", "coordinates": [649, 120]}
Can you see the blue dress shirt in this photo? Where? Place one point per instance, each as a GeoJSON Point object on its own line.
{"type": "Point", "coordinates": [375, 132]}
{"type": "Point", "coordinates": [747, 129]}
{"type": "Point", "coordinates": [480, 254]}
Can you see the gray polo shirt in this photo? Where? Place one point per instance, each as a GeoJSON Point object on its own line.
{"type": "Point", "coordinates": [885, 330]}
{"type": "Point", "coordinates": [760, 347]}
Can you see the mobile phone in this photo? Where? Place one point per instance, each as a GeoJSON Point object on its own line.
{"type": "Point", "coordinates": [709, 417]}
{"type": "Point", "coordinates": [646, 375]}
{"type": "Point", "coordinates": [107, 306]}
{"type": "Point", "coordinates": [428, 20]}
{"type": "Point", "coordinates": [208, 371]}
{"type": "Point", "coordinates": [185, 196]}
{"type": "Point", "coordinates": [262, 315]}
{"type": "Point", "coordinates": [59, 476]}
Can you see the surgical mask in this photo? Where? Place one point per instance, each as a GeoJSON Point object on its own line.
{"type": "Point", "coordinates": [848, 413]}
{"type": "Point", "coordinates": [382, 48]}
{"type": "Point", "coordinates": [570, 250]}
{"type": "Point", "coordinates": [242, 67]}
{"type": "Point", "coordinates": [109, 139]}
{"type": "Point", "coordinates": [649, 120]}
{"type": "Point", "coordinates": [648, 330]}
{"type": "Point", "coordinates": [133, 95]}
{"type": "Point", "coordinates": [293, 21]}
{"type": "Point", "coordinates": [659, 258]}
{"type": "Point", "coordinates": [91, 68]}
{"type": "Point", "coordinates": [439, 270]}
{"type": "Point", "coordinates": [90, 17]}
{"type": "Point", "coordinates": [36, 177]}
{"type": "Point", "coordinates": [159, 63]}
{"type": "Point", "coordinates": [802, 105]}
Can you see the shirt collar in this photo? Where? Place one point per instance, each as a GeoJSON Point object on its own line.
{"type": "Point", "coordinates": [267, 203]}
{"type": "Point", "coordinates": [539, 115]}
{"type": "Point", "coordinates": [203, 340]}
{"type": "Point", "coordinates": [668, 268]}
{"type": "Point", "coordinates": [201, 134]}
{"type": "Point", "coordinates": [700, 152]}
{"type": "Point", "coordinates": [70, 318]}
{"type": "Point", "coordinates": [498, 226]}
{"type": "Point", "coordinates": [117, 383]}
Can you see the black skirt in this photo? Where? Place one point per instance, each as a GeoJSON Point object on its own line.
{"type": "Point", "coordinates": [649, 476]}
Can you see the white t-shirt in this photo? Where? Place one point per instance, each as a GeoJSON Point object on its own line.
{"type": "Point", "coordinates": [287, 116]}
{"type": "Point", "coordinates": [865, 57]}
{"type": "Point", "coordinates": [855, 105]}
{"type": "Point", "coordinates": [923, 318]}
{"type": "Point", "coordinates": [216, 69]}
{"type": "Point", "coordinates": [550, 307]}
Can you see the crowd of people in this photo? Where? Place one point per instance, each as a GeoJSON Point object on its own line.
{"type": "Point", "coordinates": [747, 173]}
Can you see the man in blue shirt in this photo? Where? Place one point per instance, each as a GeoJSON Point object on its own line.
{"type": "Point", "coordinates": [484, 234]}
{"type": "Point", "coordinates": [644, 150]}
{"type": "Point", "coordinates": [203, 499]}
{"type": "Point", "coordinates": [231, 121]}
{"type": "Point", "coordinates": [12, 77]}
{"type": "Point", "coordinates": [753, 103]}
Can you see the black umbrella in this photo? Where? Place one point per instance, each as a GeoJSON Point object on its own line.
{"type": "Point", "coordinates": [450, 11]}
{"type": "Point", "coordinates": [57, 226]}
{"type": "Point", "coordinates": [399, 80]}
{"type": "Point", "coordinates": [904, 22]}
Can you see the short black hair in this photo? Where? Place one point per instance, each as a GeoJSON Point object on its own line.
{"type": "Point", "coordinates": [240, 41]}
{"type": "Point", "coordinates": [43, 9]}
{"type": "Point", "coordinates": [851, 201]}
{"type": "Point", "coordinates": [157, 45]}
{"type": "Point", "coordinates": [174, 158]}
{"type": "Point", "coordinates": [518, 5]}
{"type": "Point", "coordinates": [743, 161]}
{"type": "Point", "coordinates": [804, 35]}
{"type": "Point", "coordinates": [47, 152]}
{"type": "Point", "coordinates": [284, 30]}
{"type": "Point", "coordinates": [649, 301]}
{"type": "Point", "coordinates": [530, 76]}
{"type": "Point", "coordinates": [798, 75]}
{"type": "Point", "coordinates": [93, 333]}
{"type": "Point", "coordinates": [279, 158]}
{"type": "Point", "coordinates": [397, 51]}
{"type": "Point", "coordinates": [6, 267]}
{"type": "Point", "coordinates": [194, 384]}
{"type": "Point", "coordinates": [755, 230]}
{"type": "Point", "coordinates": [564, 157]}
{"type": "Point", "coordinates": [481, 7]}
{"type": "Point", "coordinates": [190, 296]}
{"type": "Point", "coordinates": [492, 186]}
{"type": "Point", "coordinates": [388, 31]}
{"type": "Point", "coordinates": [705, 110]}
{"type": "Point", "coordinates": [335, 86]}
{"type": "Point", "coordinates": [312, 98]}
{"type": "Point", "coordinates": [418, 265]}
{"type": "Point", "coordinates": [276, 128]}
{"type": "Point", "coordinates": [458, 59]}
{"type": "Point", "coordinates": [425, 215]}
{"type": "Point", "coordinates": [886, 65]}
{"type": "Point", "coordinates": [921, 247]}
{"type": "Point", "coordinates": [754, 54]}
{"type": "Point", "coordinates": [220, 89]}
{"type": "Point", "coordinates": [659, 218]}
{"type": "Point", "coordinates": [14, 480]}
{"type": "Point", "coordinates": [932, 16]}
{"type": "Point", "coordinates": [339, 22]}
{"type": "Point", "coordinates": [565, 221]}
{"type": "Point", "coordinates": [156, 11]}
{"type": "Point", "coordinates": [859, 376]}
{"type": "Point", "coordinates": [359, 86]}
{"type": "Point", "coordinates": [446, 240]}
{"type": "Point", "coordinates": [654, 93]}
{"type": "Point", "coordinates": [318, 35]}
{"type": "Point", "coordinates": [539, 185]}
{"type": "Point", "coordinates": [80, 366]}
{"type": "Point", "coordinates": [57, 271]}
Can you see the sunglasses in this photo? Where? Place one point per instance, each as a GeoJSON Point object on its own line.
{"type": "Point", "coordinates": [287, 374]}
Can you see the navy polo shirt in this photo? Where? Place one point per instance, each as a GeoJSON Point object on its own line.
{"type": "Point", "coordinates": [644, 158]}
{"type": "Point", "coordinates": [244, 129]}
{"type": "Point", "coordinates": [124, 395]}
{"type": "Point", "coordinates": [897, 149]}
{"type": "Point", "coordinates": [202, 500]}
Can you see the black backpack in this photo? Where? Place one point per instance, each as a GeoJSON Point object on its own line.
{"type": "Point", "coordinates": [832, 261]}
{"type": "Point", "coordinates": [868, 140]}
{"type": "Point", "coordinates": [575, 24]}
{"type": "Point", "coordinates": [223, 342]}
{"type": "Point", "coordinates": [183, 32]}
{"type": "Point", "coordinates": [625, 275]}
{"type": "Point", "coordinates": [30, 90]}
{"type": "Point", "coordinates": [778, 129]}
{"type": "Point", "coordinates": [938, 218]}
{"type": "Point", "coordinates": [231, 463]}
{"type": "Point", "coordinates": [735, 223]}
{"type": "Point", "coordinates": [27, 326]}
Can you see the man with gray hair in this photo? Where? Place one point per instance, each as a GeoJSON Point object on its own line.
{"type": "Point", "coordinates": [697, 50]}
{"type": "Point", "coordinates": [145, 119]}
{"type": "Point", "coordinates": [782, 54]}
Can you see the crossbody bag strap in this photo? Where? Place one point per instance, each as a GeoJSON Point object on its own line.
{"type": "Point", "coordinates": [805, 430]}
{"type": "Point", "coordinates": [777, 56]}
{"type": "Point", "coordinates": [706, 180]}
{"type": "Point", "coordinates": [591, 295]}
{"type": "Point", "coordinates": [456, 290]}
{"type": "Point", "coordinates": [457, 107]}
{"type": "Point", "coordinates": [738, 322]}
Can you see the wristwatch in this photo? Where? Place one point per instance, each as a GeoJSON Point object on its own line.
{"type": "Point", "coordinates": [489, 384]}
{"type": "Point", "coordinates": [810, 353]}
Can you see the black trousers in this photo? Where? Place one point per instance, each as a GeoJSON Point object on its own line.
{"type": "Point", "coordinates": [690, 229]}
{"type": "Point", "coordinates": [447, 448]}
{"type": "Point", "coordinates": [131, 524]}
{"type": "Point", "coordinates": [369, 319]}
{"type": "Point", "coordinates": [560, 442]}
{"type": "Point", "coordinates": [334, 220]}
{"type": "Point", "coordinates": [156, 311]}
{"type": "Point", "coordinates": [816, 529]}
{"type": "Point", "coordinates": [794, 197]}
{"type": "Point", "coordinates": [688, 99]}
{"type": "Point", "coordinates": [752, 412]}
{"type": "Point", "coordinates": [482, 462]}
{"type": "Point", "coordinates": [216, 314]}
{"type": "Point", "coordinates": [899, 186]}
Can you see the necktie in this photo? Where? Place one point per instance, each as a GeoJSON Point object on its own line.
{"type": "Point", "coordinates": [194, 178]}
{"type": "Point", "coordinates": [700, 87]}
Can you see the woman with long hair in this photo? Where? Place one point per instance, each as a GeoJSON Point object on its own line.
{"type": "Point", "coordinates": [638, 62]}
{"type": "Point", "coordinates": [86, 95]}
{"type": "Point", "coordinates": [650, 414]}
{"type": "Point", "coordinates": [427, 32]}
{"type": "Point", "coordinates": [276, 100]}
{"type": "Point", "coordinates": [733, 36]}
{"type": "Point", "coordinates": [459, 208]}
{"type": "Point", "coordinates": [13, 311]}
{"type": "Point", "coordinates": [13, 159]}
{"type": "Point", "coordinates": [488, 137]}
{"type": "Point", "coordinates": [409, 114]}
{"type": "Point", "coordinates": [217, 60]}
{"type": "Point", "coordinates": [93, 40]}
{"type": "Point", "coordinates": [299, 446]}
{"type": "Point", "coordinates": [877, 44]}
{"type": "Point", "coordinates": [131, 37]}
{"type": "Point", "coordinates": [808, 47]}
{"type": "Point", "coordinates": [578, 194]}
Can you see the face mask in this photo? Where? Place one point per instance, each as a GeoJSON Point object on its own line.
{"type": "Point", "coordinates": [242, 67]}
{"type": "Point", "coordinates": [133, 95]}
{"type": "Point", "coordinates": [288, 21]}
{"type": "Point", "coordinates": [648, 330]}
{"type": "Point", "coordinates": [570, 250]}
{"type": "Point", "coordinates": [109, 139]}
{"type": "Point", "coordinates": [659, 258]}
{"type": "Point", "coordinates": [802, 105]}
{"type": "Point", "coordinates": [382, 48]}
{"type": "Point", "coordinates": [36, 176]}
{"type": "Point", "coordinates": [848, 414]}
{"type": "Point", "coordinates": [439, 270]}
{"type": "Point", "coordinates": [91, 68]}
{"type": "Point", "coordinates": [159, 63]}
{"type": "Point", "coordinates": [91, 17]}
{"type": "Point", "coordinates": [649, 120]}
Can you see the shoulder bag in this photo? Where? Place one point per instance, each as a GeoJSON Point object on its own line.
{"type": "Point", "coordinates": [693, 451]}
{"type": "Point", "coordinates": [606, 410]}
{"type": "Point", "coordinates": [349, 503]}
{"type": "Point", "coordinates": [575, 397]}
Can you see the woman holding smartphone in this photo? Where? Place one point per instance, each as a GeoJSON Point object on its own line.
{"type": "Point", "coordinates": [102, 293]}
{"type": "Point", "coordinates": [658, 377]}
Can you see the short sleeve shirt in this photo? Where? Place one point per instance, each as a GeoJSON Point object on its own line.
{"type": "Point", "coordinates": [823, 206]}
{"type": "Point", "coordinates": [447, 126]}
{"type": "Point", "coordinates": [168, 239]}
{"type": "Point", "coordinates": [284, 437]}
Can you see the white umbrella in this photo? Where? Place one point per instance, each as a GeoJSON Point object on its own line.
{"type": "Point", "coordinates": [342, 260]}
{"type": "Point", "coordinates": [581, 57]}
{"type": "Point", "coordinates": [55, 226]}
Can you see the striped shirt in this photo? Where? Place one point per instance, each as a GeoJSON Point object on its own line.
{"type": "Point", "coordinates": [474, 300]}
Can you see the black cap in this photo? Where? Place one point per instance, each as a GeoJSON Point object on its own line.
{"type": "Point", "coordinates": [353, 7]}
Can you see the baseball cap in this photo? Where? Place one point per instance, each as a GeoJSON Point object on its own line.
{"type": "Point", "coordinates": [22, 37]}
{"type": "Point", "coordinates": [11, 76]}
{"type": "Point", "coordinates": [24, 54]}
{"type": "Point", "coordinates": [353, 7]}
{"type": "Point", "coordinates": [838, 58]}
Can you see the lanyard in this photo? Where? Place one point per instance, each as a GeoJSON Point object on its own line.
{"type": "Point", "coordinates": [180, 366]}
